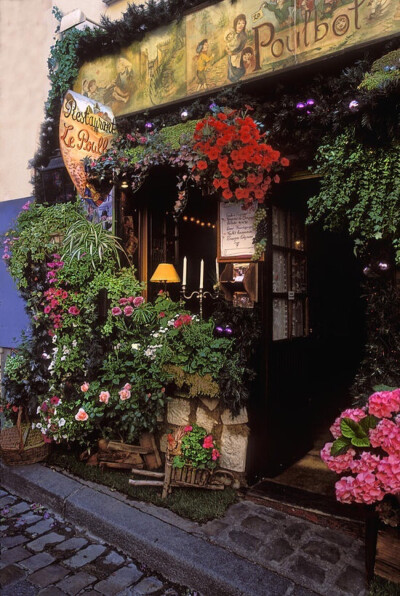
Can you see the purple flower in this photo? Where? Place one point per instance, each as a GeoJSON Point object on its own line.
{"type": "Point", "coordinates": [26, 206]}
{"type": "Point", "coordinates": [46, 515]}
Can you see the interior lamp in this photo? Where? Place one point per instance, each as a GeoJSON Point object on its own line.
{"type": "Point", "coordinates": [165, 274]}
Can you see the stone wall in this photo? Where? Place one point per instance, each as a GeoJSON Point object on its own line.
{"type": "Point", "coordinates": [230, 434]}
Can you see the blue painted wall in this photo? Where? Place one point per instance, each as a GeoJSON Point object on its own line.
{"type": "Point", "coordinates": [13, 318]}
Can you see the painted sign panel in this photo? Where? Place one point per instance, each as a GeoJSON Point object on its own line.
{"type": "Point", "coordinates": [236, 231]}
{"type": "Point", "coordinates": [87, 129]}
{"type": "Point", "coordinates": [230, 42]}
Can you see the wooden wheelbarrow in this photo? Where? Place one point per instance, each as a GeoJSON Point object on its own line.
{"type": "Point", "coordinates": [184, 477]}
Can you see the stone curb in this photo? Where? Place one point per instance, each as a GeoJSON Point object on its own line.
{"type": "Point", "coordinates": [177, 554]}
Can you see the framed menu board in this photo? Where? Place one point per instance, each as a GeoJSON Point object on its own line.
{"type": "Point", "coordinates": [235, 232]}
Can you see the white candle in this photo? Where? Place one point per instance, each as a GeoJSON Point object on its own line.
{"type": "Point", "coordinates": [184, 271]}
{"type": "Point", "coordinates": [201, 274]}
{"type": "Point", "coordinates": [217, 270]}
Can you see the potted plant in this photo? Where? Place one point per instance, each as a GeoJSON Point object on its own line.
{"type": "Point", "coordinates": [195, 455]}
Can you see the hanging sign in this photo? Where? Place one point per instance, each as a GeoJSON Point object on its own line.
{"type": "Point", "coordinates": [87, 129]}
{"type": "Point", "coordinates": [228, 42]}
{"type": "Point", "coordinates": [236, 232]}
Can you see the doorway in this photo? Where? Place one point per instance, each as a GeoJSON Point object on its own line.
{"type": "Point", "coordinates": [312, 349]}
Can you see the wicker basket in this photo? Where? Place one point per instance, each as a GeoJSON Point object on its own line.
{"type": "Point", "coordinates": [190, 476]}
{"type": "Point", "coordinates": [21, 445]}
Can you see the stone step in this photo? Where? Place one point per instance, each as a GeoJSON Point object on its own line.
{"type": "Point", "coordinates": [319, 509]}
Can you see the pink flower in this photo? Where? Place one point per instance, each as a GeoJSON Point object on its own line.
{"type": "Point", "coordinates": [55, 400]}
{"type": "Point", "coordinates": [47, 310]}
{"type": "Point", "coordinates": [355, 414]}
{"type": "Point", "coordinates": [215, 454]}
{"type": "Point", "coordinates": [104, 397]}
{"type": "Point", "coordinates": [344, 489]}
{"type": "Point", "coordinates": [26, 206]}
{"type": "Point", "coordinates": [128, 310]}
{"type": "Point", "coordinates": [85, 387]}
{"type": "Point", "coordinates": [337, 463]}
{"type": "Point", "coordinates": [44, 407]}
{"type": "Point", "coordinates": [127, 386]}
{"type": "Point", "coordinates": [384, 403]}
{"type": "Point", "coordinates": [208, 442]}
{"type": "Point", "coordinates": [138, 301]}
{"type": "Point", "coordinates": [188, 428]}
{"type": "Point", "coordinates": [124, 394]}
{"type": "Point", "coordinates": [116, 311]}
{"type": "Point", "coordinates": [389, 474]}
{"type": "Point", "coordinates": [6, 256]}
{"type": "Point", "coordinates": [367, 463]}
{"type": "Point", "coordinates": [81, 416]}
{"type": "Point", "coordinates": [387, 436]}
{"type": "Point", "coordinates": [123, 301]}
{"type": "Point", "coordinates": [74, 310]}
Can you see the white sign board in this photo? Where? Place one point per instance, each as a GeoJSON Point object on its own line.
{"type": "Point", "coordinates": [236, 231]}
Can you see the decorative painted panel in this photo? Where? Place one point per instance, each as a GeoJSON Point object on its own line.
{"type": "Point", "coordinates": [227, 42]}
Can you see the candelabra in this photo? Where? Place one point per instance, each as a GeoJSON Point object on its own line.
{"type": "Point", "coordinates": [200, 295]}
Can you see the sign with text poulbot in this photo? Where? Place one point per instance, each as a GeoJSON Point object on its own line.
{"type": "Point", "coordinates": [236, 231]}
{"type": "Point", "coordinates": [87, 129]}
{"type": "Point", "coordinates": [229, 42]}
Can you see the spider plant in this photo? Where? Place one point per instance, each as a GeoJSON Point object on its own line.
{"type": "Point", "coordinates": [85, 237]}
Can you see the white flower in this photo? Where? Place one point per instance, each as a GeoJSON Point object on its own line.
{"type": "Point", "coordinates": [74, 343]}
{"type": "Point", "coordinates": [37, 410]}
{"type": "Point", "coordinates": [51, 365]}
{"type": "Point", "coordinates": [54, 339]}
{"type": "Point", "coordinates": [55, 350]}
{"type": "Point", "coordinates": [63, 358]}
{"type": "Point", "coordinates": [33, 424]}
{"type": "Point", "coordinates": [45, 356]}
{"type": "Point", "coordinates": [49, 424]}
{"type": "Point", "coordinates": [135, 346]}
{"type": "Point", "coordinates": [39, 425]}
{"type": "Point", "coordinates": [66, 350]}
{"type": "Point", "coordinates": [55, 437]}
{"type": "Point", "coordinates": [65, 436]}
{"type": "Point", "coordinates": [156, 335]}
{"type": "Point", "coordinates": [170, 322]}
{"type": "Point", "coordinates": [61, 422]}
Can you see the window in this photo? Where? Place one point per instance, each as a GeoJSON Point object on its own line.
{"type": "Point", "coordinates": [289, 275]}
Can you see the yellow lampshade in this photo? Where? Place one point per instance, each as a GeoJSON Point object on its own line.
{"type": "Point", "coordinates": [165, 273]}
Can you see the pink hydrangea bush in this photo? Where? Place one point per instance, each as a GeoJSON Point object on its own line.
{"type": "Point", "coordinates": [367, 450]}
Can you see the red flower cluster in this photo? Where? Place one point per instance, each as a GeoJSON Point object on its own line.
{"type": "Point", "coordinates": [183, 320]}
{"type": "Point", "coordinates": [233, 156]}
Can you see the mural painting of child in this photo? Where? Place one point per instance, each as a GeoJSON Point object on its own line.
{"type": "Point", "coordinates": [202, 62]}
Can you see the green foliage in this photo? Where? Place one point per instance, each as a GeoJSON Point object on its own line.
{"type": "Point", "coordinates": [360, 192]}
{"type": "Point", "coordinates": [380, 365]}
{"type": "Point", "coordinates": [193, 453]}
{"type": "Point", "coordinates": [32, 238]}
{"type": "Point", "coordinates": [383, 71]}
{"type": "Point", "coordinates": [87, 238]}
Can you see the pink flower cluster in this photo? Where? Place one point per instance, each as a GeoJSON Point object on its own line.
{"type": "Point", "coordinates": [387, 436]}
{"type": "Point", "coordinates": [54, 266]}
{"type": "Point", "coordinates": [340, 463]}
{"type": "Point", "coordinates": [182, 320]}
{"type": "Point", "coordinates": [127, 303]}
{"type": "Point", "coordinates": [208, 443]}
{"type": "Point", "coordinates": [384, 403]}
{"type": "Point", "coordinates": [375, 473]}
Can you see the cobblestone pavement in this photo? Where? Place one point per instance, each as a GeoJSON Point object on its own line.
{"type": "Point", "coordinates": [43, 555]}
{"type": "Point", "coordinates": [329, 562]}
